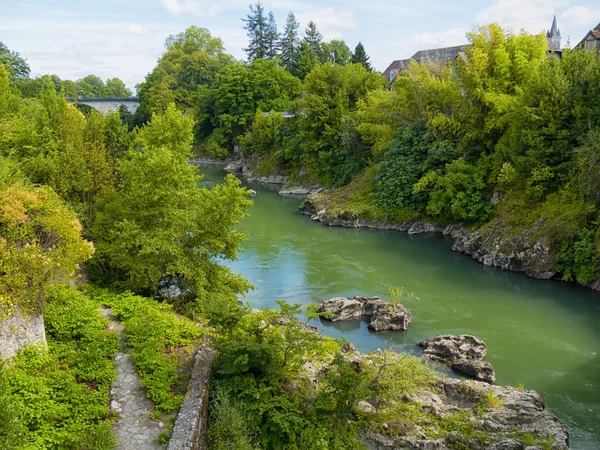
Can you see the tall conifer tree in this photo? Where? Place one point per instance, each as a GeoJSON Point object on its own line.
{"type": "Point", "coordinates": [290, 43]}
{"type": "Point", "coordinates": [360, 57]}
{"type": "Point", "coordinates": [258, 31]}
{"type": "Point", "coordinates": [272, 38]}
{"type": "Point", "coordinates": [314, 39]}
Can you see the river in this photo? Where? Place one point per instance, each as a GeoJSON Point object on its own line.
{"type": "Point", "coordinates": [544, 335]}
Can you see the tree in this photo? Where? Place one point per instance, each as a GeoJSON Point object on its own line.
{"type": "Point", "coordinates": [116, 88]}
{"type": "Point", "coordinates": [92, 86]}
{"type": "Point", "coordinates": [306, 62]}
{"type": "Point", "coordinates": [273, 47]}
{"type": "Point", "coordinates": [360, 56]}
{"type": "Point", "coordinates": [289, 43]}
{"type": "Point", "coordinates": [160, 227]}
{"type": "Point", "coordinates": [17, 66]}
{"type": "Point", "coordinates": [314, 40]}
{"type": "Point", "coordinates": [41, 244]}
{"type": "Point", "coordinates": [336, 52]}
{"type": "Point", "coordinates": [258, 32]}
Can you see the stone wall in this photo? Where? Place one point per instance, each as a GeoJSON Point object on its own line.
{"type": "Point", "coordinates": [190, 428]}
{"type": "Point", "coordinates": [17, 332]}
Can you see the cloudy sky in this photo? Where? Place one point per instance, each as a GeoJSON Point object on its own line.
{"type": "Point", "coordinates": [124, 38]}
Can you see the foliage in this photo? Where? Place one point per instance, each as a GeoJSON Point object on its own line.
{"type": "Point", "coordinates": [359, 56]}
{"type": "Point", "coordinates": [289, 43]}
{"type": "Point", "coordinates": [159, 228]}
{"type": "Point", "coordinates": [163, 342]}
{"type": "Point", "coordinates": [62, 392]}
{"type": "Point", "coordinates": [16, 66]}
{"type": "Point", "coordinates": [40, 245]}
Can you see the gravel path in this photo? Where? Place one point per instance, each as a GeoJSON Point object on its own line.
{"type": "Point", "coordinates": [134, 429]}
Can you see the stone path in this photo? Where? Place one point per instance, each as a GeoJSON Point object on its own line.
{"type": "Point", "coordinates": [134, 429]}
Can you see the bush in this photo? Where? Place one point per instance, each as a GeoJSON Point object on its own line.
{"type": "Point", "coordinates": [63, 391]}
{"type": "Point", "coordinates": [163, 344]}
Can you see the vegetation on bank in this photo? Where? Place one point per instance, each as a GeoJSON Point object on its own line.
{"type": "Point", "coordinates": [58, 397]}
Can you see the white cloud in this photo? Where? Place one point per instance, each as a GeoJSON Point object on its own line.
{"type": "Point", "coordinates": [329, 21]}
{"type": "Point", "coordinates": [201, 8]}
{"type": "Point", "coordinates": [134, 28]}
{"type": "Point", "coordinates": [580, 16]}
{"type": "Point", "coordinates": [532, 15]}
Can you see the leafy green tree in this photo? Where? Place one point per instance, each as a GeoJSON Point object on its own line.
{"type": "Point", "coordinates": [92, 86]}
{"type": "Point", "coordinates": [289, 43]}
{"type": "Point", "coordinates": [336, 52]}
{"type": "Point", "coordinates": [240, 90]}
{"type": "Point", "coordinates": [259, 33]}
{"type": "Point", "coordinates": [41, 245]}
{"type": "Point", "coordinates": [191, 62]}
{"type": "Point", "coordinates": [331, 94]}
{"type": "Point", "coordinates": [116, 88]}
{"type": "Point", "coordinates": [306, 62]}
{"type": "Point", "coordinates": [360, 56]}
{"type": "Point", "coordinates": [159, 227]}
{"type": "Point", "coordinates": [15, 64]}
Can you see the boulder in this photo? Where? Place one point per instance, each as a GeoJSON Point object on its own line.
{"type": "Point", "coordinates": [381, 315]}
{"type": "Point", "coordinates": [390, 317]}
{"type": "Point", "coordinates": [464, 354]}
{"type": "Point", "coordinates": [479, 370]}
{"type": "Point", "coordinates": [342, 308]}
{"type": "Point", "coordinates": [448, 347]}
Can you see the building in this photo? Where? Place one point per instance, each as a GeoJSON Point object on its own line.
{"type": "Point", "coordinates": [591, 41]}
{"type": "Point", "coordinates": [447, 55]}
{"type": "Point", "coordinates": [437, 55]}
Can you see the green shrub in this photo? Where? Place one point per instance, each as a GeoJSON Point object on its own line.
{"type": "Point", "coordinates": [163, 344]}
{"type": "Point", "coordinates": [579, 260]}
{"type": "Point", "coordinates": [63, 391]}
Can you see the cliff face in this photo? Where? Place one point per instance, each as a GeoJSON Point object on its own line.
{"type": "Point", "coordinates": [493, 245]}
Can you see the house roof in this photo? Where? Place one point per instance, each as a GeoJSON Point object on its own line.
{"type": "Point", "coordinates": [438, 53]}
{"type": "Point", "coordinates": [396, 66]}
{"type": "Point", "coordinates": [595, 32]}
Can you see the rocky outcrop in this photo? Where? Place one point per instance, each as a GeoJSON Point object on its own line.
{"type": "Point", "coordinates": [496, 246]}
{"type": "Point", "coordinates": [341, 308]}
{"type": "Point", "coordinates": [18, 331]}
{"type": "Point", "coordinates": [514, 419]}
{"type": "Point", "coordinates": [381, 315]}
{"type": "Point", "coordinates": [464, 354]}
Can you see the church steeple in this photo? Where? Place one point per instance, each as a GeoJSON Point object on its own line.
{"type": "Point", "coordinates": [553, 35]}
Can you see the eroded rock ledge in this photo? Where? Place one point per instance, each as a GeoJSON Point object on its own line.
{"type": "Point", "coordinates": [381, 315]}
{"type": "Point", "coordinates": [464, 354]}
{"type": "Point", "coordinates": [501, 417]}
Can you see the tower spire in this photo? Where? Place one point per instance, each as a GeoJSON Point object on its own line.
{"type": "Point", "coordinates": [553, 34]}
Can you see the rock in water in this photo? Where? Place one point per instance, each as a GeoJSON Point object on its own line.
{"type": "Point", "coordinates": [386, 316]}
{"type": "Point", "coordinates": [381, 315]}
{"type": "Point", "coordinates": [464, 353]}
{"type": "Point", "coordinates": [342, 308]}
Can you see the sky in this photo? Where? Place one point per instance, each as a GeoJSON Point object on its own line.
{"type": "Point", "coordinates": [125, 38]}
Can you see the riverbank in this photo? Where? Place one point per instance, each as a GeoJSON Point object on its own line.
{"type": "Point", "coordinates": [493, 245]}
{"type": "Point", "coordinates": [247, 168]}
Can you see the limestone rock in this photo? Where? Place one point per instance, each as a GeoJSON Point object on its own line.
{"type": "Point", "coordinates": [342, 309]}
{"type": "Point", "coordinates": [381, 315]}
{"type": "Point", "coordinates": [18, 331]}
{"type": "Point", "coordinates": [464, 354]}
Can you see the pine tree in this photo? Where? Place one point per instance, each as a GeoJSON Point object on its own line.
{"type": "Point", "coordinates": [307, 60]}
{"type": "Point", "coordinates": [290, 43]}
{"type": "Point", "coordinates": [314, 39]}
{"type": "Point", "coordinates": [360, 57]}
{"type": "Point", "coordinates": [257, 28]}
{"type": "Point", "coordinates": [272, 38]}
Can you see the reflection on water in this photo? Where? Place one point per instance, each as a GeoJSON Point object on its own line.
{"type": "Point", "coordinates": [542, 334]}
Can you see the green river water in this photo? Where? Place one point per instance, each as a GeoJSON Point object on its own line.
{"type": "Point", "coordinates": [542, 334]}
